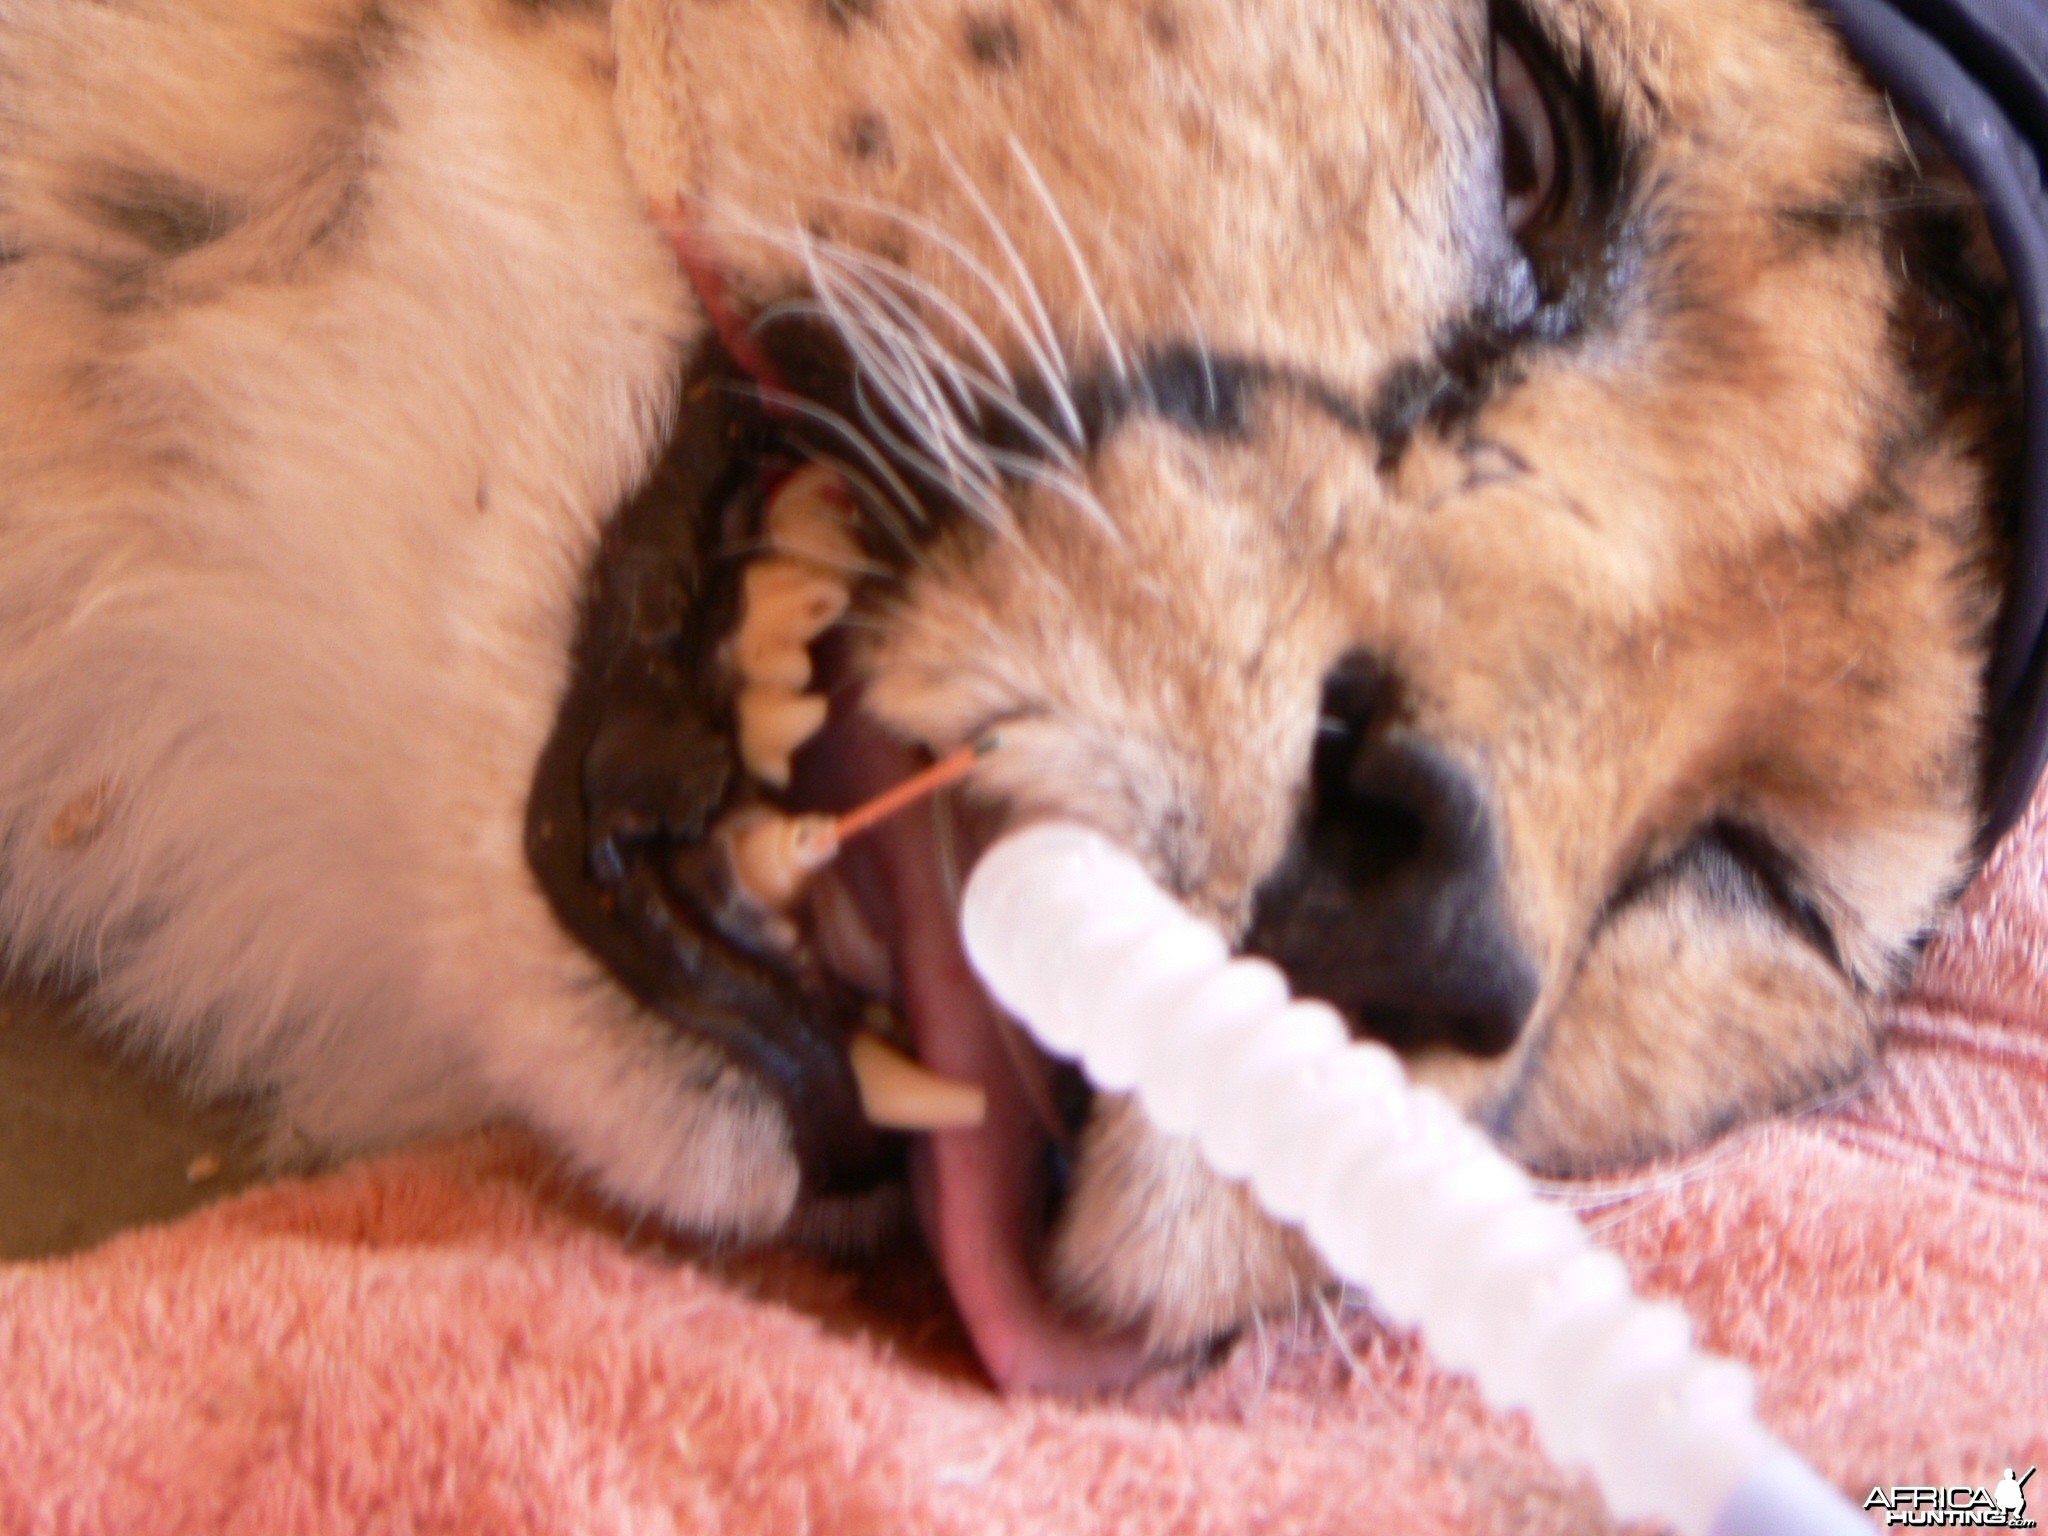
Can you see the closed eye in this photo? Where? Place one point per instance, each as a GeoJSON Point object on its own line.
{"type": "Point", "coordinates": [1738, 867]}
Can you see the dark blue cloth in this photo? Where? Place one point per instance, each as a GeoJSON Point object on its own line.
{"type": "Point", "coordinates": [1976, 73]}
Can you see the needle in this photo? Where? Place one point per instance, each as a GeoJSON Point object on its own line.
{"type": "Point", "coordinates": [955, 765]}
{"type": "Point", "coordinates": [774, 857]}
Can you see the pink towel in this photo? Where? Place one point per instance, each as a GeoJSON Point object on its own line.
{"type": "Point", "coordinates": [451, 1340]}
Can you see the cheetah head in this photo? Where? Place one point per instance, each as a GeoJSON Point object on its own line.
{"type": "Point", "coordinates": [1493, 503]}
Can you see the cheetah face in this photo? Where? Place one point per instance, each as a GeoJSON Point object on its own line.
{"type": "Point", "coordinates": [1491, 503]}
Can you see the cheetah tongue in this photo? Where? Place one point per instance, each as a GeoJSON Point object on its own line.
{"type": "Point", "coordinates": [980, 1193]}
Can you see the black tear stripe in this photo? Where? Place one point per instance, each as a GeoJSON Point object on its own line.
{"type": "Point", "coordinates": [1213, 395]}
{"type": "Point", "coordinates": [642, 761]}
{"type": "Point", "coordinates": [1203, 393]}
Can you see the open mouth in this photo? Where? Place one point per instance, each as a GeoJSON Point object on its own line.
{"type": "Point", "coordinates": [715, 719]}
{"type": "Point", "coordinates": [887, 911]}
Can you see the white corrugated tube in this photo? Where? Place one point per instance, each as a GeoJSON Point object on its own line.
{"type": "Point", "coordinates": [1396, 1189]}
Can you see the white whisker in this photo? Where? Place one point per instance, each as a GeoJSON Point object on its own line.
{"type": "Point", "coordinates": [1335, 1330]}
{"type": "Point", "coordinates": [1089, 291]}
{"type": "Point", "coordinates": [971, 386]}
{"type": "Point", "coordinates": [872, 363]}
{"type": "Point", "coordinates": [917, 288]}
{"type": "Point", "coordinates": [900, 498]}
{"type": "Point", "coordinates": [950, 245]}
{"type": "Point", "coordinates": [906, 387]}
{"type": "Point", "coordinates": [901, 365]}
{"type": "Point", "coordinates": [990, 511]}
{"type": "Point", "coordinates": [921, 403]}
{"type": "Point", "coordinates": [1053, 362]}
{"type": "Point", "coordinates": [1060, 484]}
{"type": "Point", "coordinates": [1202, 352]}
{"type": "Point", "coordinates": [997, 387]}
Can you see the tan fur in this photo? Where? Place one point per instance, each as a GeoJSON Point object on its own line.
{"type": "Point", "coordinates": [331, 349]}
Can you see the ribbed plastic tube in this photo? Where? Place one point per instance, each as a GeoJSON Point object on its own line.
{"type": "Point", "coordinates": [1395, 1188]}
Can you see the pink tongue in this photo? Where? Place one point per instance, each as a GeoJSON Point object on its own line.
{"type": "Point", "coordinates": [980, 1193]}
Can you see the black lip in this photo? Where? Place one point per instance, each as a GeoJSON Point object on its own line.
{"type": "Point", "coordinates": [642, 762]}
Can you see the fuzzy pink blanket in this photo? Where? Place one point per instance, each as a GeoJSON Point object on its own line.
{"type": "Point", "coordinates": [449, 1340]}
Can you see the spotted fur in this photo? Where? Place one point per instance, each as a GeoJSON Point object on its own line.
{"type": "Point", "coordinates": [336, 331]}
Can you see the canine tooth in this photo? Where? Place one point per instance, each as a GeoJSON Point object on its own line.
{"type": "Point", "coordinates": [774, 857]}
{"type": "Point", "coordinates": [807, 520]}
{"type": "Point", "coordinates": [900, 1094]}
{"type": "Point", "coordinates": [773, 724]}
{"type": "Point", "coordinates": [785, 598]}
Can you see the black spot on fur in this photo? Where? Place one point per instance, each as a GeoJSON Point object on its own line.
{"type": "Point", "coordinates": [844, 13]}
{"type": "Point", "coordinates": [170, 216]}
{"type": "Point", "coordinates": [1162, 25]}
{"type": "Point", "coordinates": [866, 137]}
{"type": "Point", "coordinates": [993, 42]}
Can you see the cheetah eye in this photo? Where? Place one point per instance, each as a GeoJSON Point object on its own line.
{"type": "Point", "coordinates": [1535, 169]}
{"type": "Point", "coordinates": [1564, 160]}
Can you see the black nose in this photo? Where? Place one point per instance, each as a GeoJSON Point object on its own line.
{"type": "Point", "coordinates": [1389, 903]}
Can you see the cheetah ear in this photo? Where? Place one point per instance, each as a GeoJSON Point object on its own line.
{"type": "Point", "coordinates": [1698, 1007]}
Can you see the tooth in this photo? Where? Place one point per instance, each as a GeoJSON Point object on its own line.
{"type": "Point", "coordinates": [899, 1094]}
{"type": "Point", "coordinates": [807, 520]}
{"type": "Point", "coordinates": [790, 600]}
{"type": "Point", "coordinates": [785, 606]}
{"type": "Point", "coordinates": [773, 724]}
{"type": "Point", "coordinates": [774, 857]}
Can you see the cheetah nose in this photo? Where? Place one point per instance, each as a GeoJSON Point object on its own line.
{"type": "Point", "coordinates": [1389, 902]}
